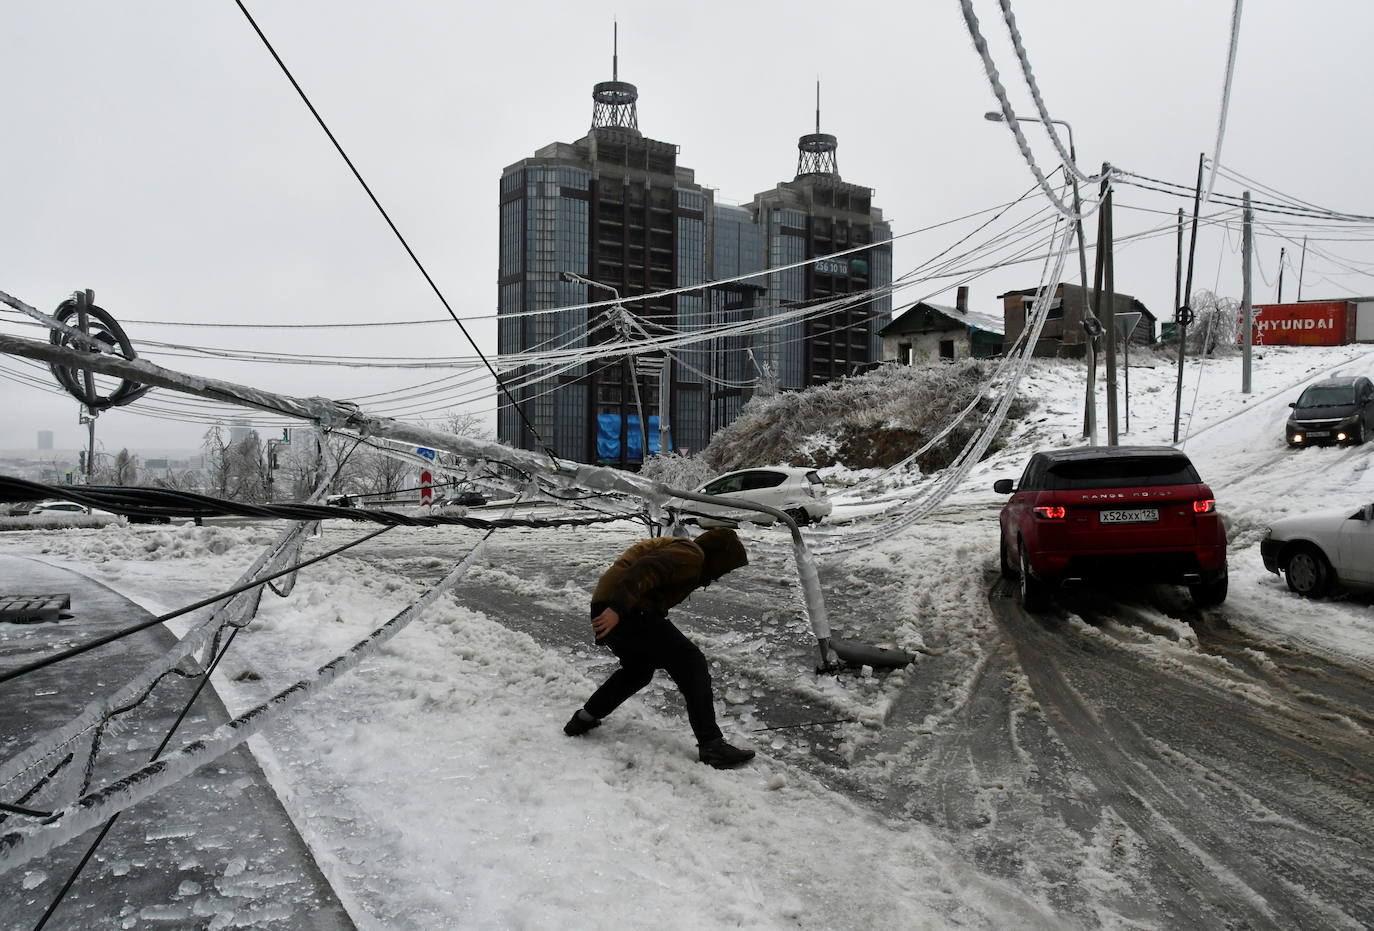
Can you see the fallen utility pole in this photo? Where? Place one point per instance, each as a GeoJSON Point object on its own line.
{"type": "Point", "coordinates": [330, 414]}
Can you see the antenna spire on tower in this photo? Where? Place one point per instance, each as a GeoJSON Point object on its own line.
{"type": "Point", "coordinates": [816, 151]}
{"type": "Point", "coordinates": [614, 100]}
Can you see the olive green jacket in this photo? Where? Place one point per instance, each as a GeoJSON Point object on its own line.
{"type": "Point", "coordinates": [654, 575]}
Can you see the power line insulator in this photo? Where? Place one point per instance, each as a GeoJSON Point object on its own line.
{"type": "Point", "coordinates": [79, 311]}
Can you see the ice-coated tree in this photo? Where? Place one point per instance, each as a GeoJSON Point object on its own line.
{"type": "Point", "coordinates": [217, 462]}
{"type": "Point", "coordinates": [125, 469]}
{"type": "Point", "coordinates": [1216, 323]}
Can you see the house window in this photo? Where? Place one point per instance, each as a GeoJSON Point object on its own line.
{"type": "Point", "coordinates": [904, 353]}
{"type": "Point", "coordinates": [947, 349]}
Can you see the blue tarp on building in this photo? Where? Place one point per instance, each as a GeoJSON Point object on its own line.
{"type": "Point", "coordinates": [608, 434]}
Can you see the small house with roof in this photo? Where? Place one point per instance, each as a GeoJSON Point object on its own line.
{"type": "Point", "coordinates": [929, 332]}
{"type": "Point", "coordinates": [1063, 333]}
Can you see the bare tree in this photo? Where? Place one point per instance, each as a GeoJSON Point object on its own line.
{"type": "Point", "coordinates": [380, 474]}
{"type": "Point", "coordinates": [185, 480]}
{"type": "Point", "coordinates": [462, 423]}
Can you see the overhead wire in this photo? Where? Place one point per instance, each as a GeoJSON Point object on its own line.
{"type": "Point", "coordinates": [387, 217]}
{"type": "Point", "coordinates": [1225, 95]}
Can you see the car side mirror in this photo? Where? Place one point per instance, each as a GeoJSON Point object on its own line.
{"type": "Point", "coordinates": [1004, 486]}
{"type": "Point", "coordinates": [1293, 404]}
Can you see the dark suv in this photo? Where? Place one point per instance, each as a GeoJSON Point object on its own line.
{"type": "Point", "coordinates": [1337, 410]}
{"type": "Point", "coordinates": [1104, 513]}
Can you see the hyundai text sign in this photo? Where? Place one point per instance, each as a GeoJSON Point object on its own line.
{"type": "Point", "coordinates": [1310, 323]}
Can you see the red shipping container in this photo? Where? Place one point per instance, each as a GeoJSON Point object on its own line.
{"type": "Point", "coordinates": [1311, 323]}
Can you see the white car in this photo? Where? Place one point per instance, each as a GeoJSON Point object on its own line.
{"type": "Point", "coordinates": [1315, 551]}
{"type": "Point", "coordinates": [799, 493]}
{"type": "Point", "coordinates": [58, 507]}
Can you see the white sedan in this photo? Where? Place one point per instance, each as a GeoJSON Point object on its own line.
{"type": "Point", "coordinates": [1315, 551]}
{"type": "Point", "coordinates": [799, 493]}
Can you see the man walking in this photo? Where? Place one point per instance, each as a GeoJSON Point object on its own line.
{"type": "Point", "coordinates": [630, 616]}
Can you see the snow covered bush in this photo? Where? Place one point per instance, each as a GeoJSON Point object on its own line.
{"type": "Point", "coordinates": [868, 421]}
{"type": "Point", "coordinates": [677, 471]}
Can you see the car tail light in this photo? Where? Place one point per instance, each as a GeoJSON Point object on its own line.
{"type": "Point", "coordinates": [1050, 513]}
{"type": "Point", "coordinates": [1204, 506]}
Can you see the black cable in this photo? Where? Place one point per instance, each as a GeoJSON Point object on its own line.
{"type": "Point", "coordinates": [166, 502]}
{"type": "Point", "coordinates": [1263, 206]}
{"type": "Point", "coordinates": [90, 852]}
{"type": "Point", "coordinates": [20, 810]}
{"type": "Point", "coordinates": [409, 251]}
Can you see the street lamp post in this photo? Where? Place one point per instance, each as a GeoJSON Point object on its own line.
{"type": "Point", "coordinates": [621, 324]}
{"type": "Point", "coordinates": [1094, 329]}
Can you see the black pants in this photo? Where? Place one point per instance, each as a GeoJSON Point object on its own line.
{"type": "Point", "coordinates": [644, 643]}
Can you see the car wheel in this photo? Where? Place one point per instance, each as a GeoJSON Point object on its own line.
{"type": "Point", "coordinates": [1359, 437]}
{"type": "Point", "coordinates": [1003, 557]}
{"type": "Point", "coordinates": [1033, 591]}
{"type": "Point", "coordinates": [1307, 571]}
{"type": "Point", "coordinates": [1210, 592]}
{"type": "Point", "coordinates": [799, 515]}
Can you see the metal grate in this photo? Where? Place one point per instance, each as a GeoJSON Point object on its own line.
{"type": "Point", "coordinates": [25, 609]}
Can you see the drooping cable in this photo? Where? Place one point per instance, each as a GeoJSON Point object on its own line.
{"type": "Point", "coordinates": [394, 229]}
{"type": "Point", "coordinates": [1225, 95]}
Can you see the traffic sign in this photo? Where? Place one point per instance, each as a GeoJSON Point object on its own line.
{"type": "Point", "coordinates": [429, 454]}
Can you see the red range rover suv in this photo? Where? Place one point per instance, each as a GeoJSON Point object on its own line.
{"type": "Point", "coordinates": [1104, 513]}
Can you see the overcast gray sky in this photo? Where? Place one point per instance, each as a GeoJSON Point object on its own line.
{"type": "Point", "coordinates": [155, 153]}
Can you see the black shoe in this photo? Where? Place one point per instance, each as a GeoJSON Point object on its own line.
{"type": "Point", "coordinates": [723, 756]}
{"type": "Point", "coordinates": [580, 723]}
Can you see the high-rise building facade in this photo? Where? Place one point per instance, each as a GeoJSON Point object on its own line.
{"type": "Point", "coordinates": [615, 208]}
{"type": "Point", "coordinates": [818, 214]}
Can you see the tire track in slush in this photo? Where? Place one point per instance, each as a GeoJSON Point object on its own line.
{"type": "Point", "coordinates": [1106, 702]}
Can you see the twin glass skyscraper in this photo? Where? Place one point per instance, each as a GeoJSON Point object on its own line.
{"type": "Point", "coordinates": [616, 208]}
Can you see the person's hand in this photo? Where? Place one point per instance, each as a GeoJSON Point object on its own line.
{"type": "Point", "coordinates": [605, 622]}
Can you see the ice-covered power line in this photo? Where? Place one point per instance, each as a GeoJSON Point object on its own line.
{"type": "Point", "coordinates": [1234, 45]}
{"type": "Point", "coordinates": [1065, 155]}
{"type": "Point", "coordinates": [1177, 189]}
{"type": "Point", "coordinates": [980, 44]}
{"type": "Point", "coordinates": [746, 276]}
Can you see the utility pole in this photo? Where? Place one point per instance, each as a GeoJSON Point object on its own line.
{"type": "Point", "coordinates": [1184, 314]}
{"type": "Point", "coordinates": [639, 405]}
{"type": "Point", "coordinates": [620, 319]}
{"type": "Point", "coordinates": [1247, 308]}
{"type": "Point", "coordinates": [1280, 298]}
{"type": "Point", "coordinates": [1302, 263]}
{"type": "Point", "coordinates": [1109, 316]}
{"type": "Point", "coordinates": [84, 300]}
{"type": "Point", "coordinates": [665, 382]}
{"type": "Point", "coordinates": [1090, 331]}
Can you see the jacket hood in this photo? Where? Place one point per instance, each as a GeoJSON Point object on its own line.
{"type": "Point", "coordinates": [724, 553]}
